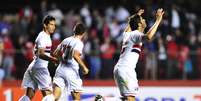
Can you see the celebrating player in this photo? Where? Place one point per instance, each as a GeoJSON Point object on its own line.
{"type": "Point", "coordinates": [133, 36]}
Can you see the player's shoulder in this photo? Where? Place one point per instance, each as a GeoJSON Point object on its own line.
{"type": "Point", "coordinates": [131, 32]}
{"type": "Point", "coordinates": [78, 42]}
{"type": "Point", "coordinates": [42, 34]}
{"type": "Point", "coordinates": [67, 39]}
{"type": "Point", "coordinates": [135, 32]}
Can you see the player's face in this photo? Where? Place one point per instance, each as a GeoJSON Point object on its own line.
{"type": "Point", "coordinates": [50, 28]}
{"type": "Point", "coordinates": [143, 22]}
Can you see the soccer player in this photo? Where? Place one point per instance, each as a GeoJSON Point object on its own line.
{"type": "Point", "coordinates": [67, 73]}
{"type": "Point", "coordinates": [133, 36]}
{"type": "Point", "coordinates": [37, 75]}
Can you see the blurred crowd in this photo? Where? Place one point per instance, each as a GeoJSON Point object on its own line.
{"type": "Point", "coordinates": [174, 53]}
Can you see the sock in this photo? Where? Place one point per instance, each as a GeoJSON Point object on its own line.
{"type": "Point", "coordinates": [49, 97]}
{"type": "Point", "coordinates": [24, 98]}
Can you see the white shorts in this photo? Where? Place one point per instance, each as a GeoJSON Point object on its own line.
{"type": "Point", "coordinates": [126, 80]}
{"type": "Point", "coordinates": [69, 78]}
{"type": "Point", "coordinates": [37, 78]}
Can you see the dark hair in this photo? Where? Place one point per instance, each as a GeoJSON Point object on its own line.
{"type": "Point", "coordinates": [133, 21]}
{"type": "Point", "coordinates": [47, 19]}
{"type": "Point", "coordinates": [79, 29]}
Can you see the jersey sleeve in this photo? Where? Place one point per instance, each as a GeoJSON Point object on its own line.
{"type": "Point", "coordinates": [41, 42]}
{"type": "Point", "coordinates": [79, 47]}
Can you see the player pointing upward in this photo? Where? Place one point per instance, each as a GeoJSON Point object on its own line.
{"type": "Point", "coordinates": [133, 36]}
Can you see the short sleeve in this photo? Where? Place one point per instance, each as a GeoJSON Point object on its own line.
{"type": "Point", "coordinates": [79, 47]}
{"type": "Point", "coordinates": [41, 42]}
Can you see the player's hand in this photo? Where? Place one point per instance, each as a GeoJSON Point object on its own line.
{"type": "Point", "coordinates": [55, 60]}
{"type": "Point", "coordinates": [140, 12]}
{"type": "Point", "coordinates": [85, 71]}
{"type": "Point", "coordinates": [159, 14]}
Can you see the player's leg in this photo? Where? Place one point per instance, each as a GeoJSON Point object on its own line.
{"type": "Point", "coordinates": [24, 98]}
{"type": "Point", "coordinates": [30, 92]}
{"type": "Point", "coordinates": [29, 84]}
{"type": "Point", "coordinates": [127, 84]}
{"type": "Point", "coordinates": [59, 82]}
{"type": "Point", "coordinates": [75, 86]}
{"type": "Point", "coordinates": [76, 92]}
{"type": "Point", "coordinates": [75, 95]}
{"type": "Point", "coordinates": [44, 81]}
{"type": "Point", "coordinates": [130, 98]}
{"type": "Point", "coordinates": [47, 95]}
{"type": "Point", "coordinates": [57, 92]}
{"type": "Point", "coordinates": [28, 96]}
{"type": "Point", "coordinates": [46, 92]}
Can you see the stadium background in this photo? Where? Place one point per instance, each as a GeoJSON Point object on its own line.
{"type": "Point", "coordinates": [173, 58]}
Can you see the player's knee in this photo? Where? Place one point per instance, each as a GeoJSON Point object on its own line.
{"type": "Point", "coordinates": [75, 95]}
{"type": "Point", "coordinates": [30, 96]}
{"type": "Point", "coordinates": [57, 96]}
{"type": "Point", "coordinates": [24, 98]}
{"type": "Point", "coordinates": [128, 98]}
{"type": "Point", "coordinates": [49, 97]}
{"type": "Point", "coordinates": [46, 92]}
{"type": "Point", "coordinates": [56, 99]}
{"type": "Point", "coordinates": [30, 93]}
{"type": "Point", "coordinates": [56, 92]}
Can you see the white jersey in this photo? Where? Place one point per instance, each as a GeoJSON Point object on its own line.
{"type": "Point", "coordinates": [43, 40]}
{"type": "Point", "coordinates": [67, 74]}
{"type": "Point", "coordinates": [131, 48]}
{"type": "Point", "coordinates": [37, 75]}
{"type": "Point", "coordinates": [67, 47]}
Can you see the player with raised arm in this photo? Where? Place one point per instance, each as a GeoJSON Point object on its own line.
{"type": "Point", "coordinates": [67, 73]}
{"type": "Point", "coordinates": [133, 36]}
{"type": "Point", "coordinates": [37, 75]}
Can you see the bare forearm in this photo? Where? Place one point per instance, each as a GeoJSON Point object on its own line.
{"type": "Point", "coordinates": [46, 57]}
{"type": "Point", "coordinates": [152, 30]}
{"type": "Point", "coordinates": [81, 63]}
{"type": "Point", "coordinates": [57, 53]}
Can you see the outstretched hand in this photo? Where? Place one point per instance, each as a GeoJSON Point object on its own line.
{"type": "Point", "coordinates": [159, 14]}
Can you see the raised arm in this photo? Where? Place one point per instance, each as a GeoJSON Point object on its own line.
{"type": "Point", "coordinates": [152, 30]}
